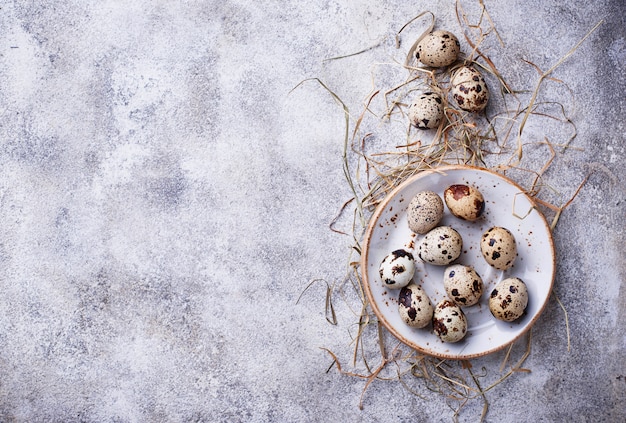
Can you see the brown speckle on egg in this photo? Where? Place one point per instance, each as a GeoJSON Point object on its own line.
{"type": "Point", "coordinates": [463, 284]}
{"type": "Point", "coordinates": [426, 111]}
{"type": "Point", "coordinates": [441, 246]}
{"type": "Point", "coordinates": [438, 49]}
{"type": "Point", "coordinates": [414, 306]}
{"type": "Point", "coordinates": [464, 201]}
{"type": "Point", "coordinates": [397, 269]}
{"type": "Point", "coordinates": [424, 212]}
{"type": "Point", "coordinates": [498, 247]}
{"type": "Point", "coordinates": [449, 321]}
{"type": "Point", "coordinates": [509, 299]}
{"type": "Point", "coordinates": [469, 89]}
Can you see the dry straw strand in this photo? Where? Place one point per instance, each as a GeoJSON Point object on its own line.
{"type": "Point", "coordinates": [542, 77]}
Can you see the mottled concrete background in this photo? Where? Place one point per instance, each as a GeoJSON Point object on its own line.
{"type": "Point", "coordinates": [164, 200]}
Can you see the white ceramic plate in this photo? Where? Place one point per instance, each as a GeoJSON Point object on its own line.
{"type": "Point", "coordinates": [505, 205]}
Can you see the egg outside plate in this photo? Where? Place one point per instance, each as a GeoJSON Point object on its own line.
{"type": "Point", "coordinates": [506, 205]}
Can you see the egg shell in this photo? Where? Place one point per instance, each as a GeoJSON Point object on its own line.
{"type": "Point", "coordinates": [441, 246]}
{"type": "Point", "coordinates": [449, 321]}
{"type": "Point", "coordinates": [425, 211]}
{"type": "Point", "coordinates": [498, 247]}
{"type": "Point", "coordinates": [438, 49]}
{"type": "Point", "coordinates": [463, 284]}
{"type": "Point", "coordinates": [469, 89]}
{"type": "Point", "coordinates": [414, 306]}
{"type": "Point", "coordinates": [397, 269]}
{"type": "Point", "coordinates": [426, 111]}
{"type": "Point", "coordinates": [464, 201]}
{"type": "Point", "coordinates": [509, 299]}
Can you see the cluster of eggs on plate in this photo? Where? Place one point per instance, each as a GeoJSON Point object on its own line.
{"type": "Point", "coordinates": [440, 49]}
{"type": "Point", "coordinates": [441, 246]}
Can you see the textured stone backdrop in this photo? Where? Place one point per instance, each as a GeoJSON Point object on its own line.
{"type": "Point", "coordinates": [165, 198]}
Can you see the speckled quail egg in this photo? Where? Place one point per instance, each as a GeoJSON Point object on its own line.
{"type": "Point", "coordinates": [438, 49]}
{"type": "Point", "coordinates": [509, 299]}
{"type": "Point", "coordinates": [441, 246]}
{"type": "Point", "coordinates": [469, 89]}
{"type": "Point", "coordinates": [449, 322]}
{"type": "Point", "coordinates": [463, 284]}
{"type": "Point", "coordinates": [397, 269]}
{"type": "Point", "coordinates": [464, 201]}
{"type": "Point", "coordinates": [426, 111]}
{"type": "Point", "coordinates": [414, 306]}
{"type": "Point", "coordinates": [498, 247]}
{"type": "Point", "coordinates": [425, 211]}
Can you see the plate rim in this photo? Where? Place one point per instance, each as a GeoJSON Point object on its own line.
{"type": "Point", "coordinates": [365, 253]}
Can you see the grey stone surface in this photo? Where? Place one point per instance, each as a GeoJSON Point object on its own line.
{"type": "Point", "coordinates": [165, 198]}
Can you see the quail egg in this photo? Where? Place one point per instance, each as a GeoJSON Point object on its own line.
{"type": "Point", "coordinates": [449, 322]}
{"type": "Point", "coordinates": [469, 89]}
{"type": "Point", "coordinates": [464, 201]}
{"type": "Point", "coordinates": [414, 306]}
{"type": "Point", "coordinates": [463, 284]}
{"type": "Point", "coordinates": [498, 247]}
{"type": "Point", "coordinates": [397, 269]}
{"type": "Point", "coordinates": [509, 299]}
{"type": "Point", "coordinates": [441, 246]}
{"type": "Point", "coordinates": [426, 112]}
{"type": "Point", "coordinates": [438, 49]}
{"type": "Point", "coordinates": [425, 211]}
